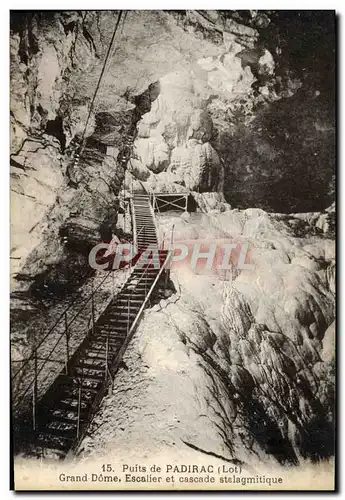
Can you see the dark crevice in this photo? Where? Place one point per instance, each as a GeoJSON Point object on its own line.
{"type": "Point", "coordinates": [234, 461]}
{"type": "Point", "coordinates": [90, 40]}
{"type": "Point", "coordinates": [14, 163]}
{"type": "Point", "coordinates": [55, 129]}
{"type": "Point", "coordinates": [69, 28]}
{"type": "Point", "coordinates": [21, 22]}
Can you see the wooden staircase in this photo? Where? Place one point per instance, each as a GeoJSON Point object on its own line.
{"type": "Point", "coordinates": [143, 223]}
{"type": "Point", "coordinates": [65, 411]}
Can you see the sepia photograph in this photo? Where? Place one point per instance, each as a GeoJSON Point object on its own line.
{"type": "Point", "coordinates": [173, 249]}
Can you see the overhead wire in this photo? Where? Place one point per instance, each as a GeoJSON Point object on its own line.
{"type": "Point", "coordinates": [101, 75]}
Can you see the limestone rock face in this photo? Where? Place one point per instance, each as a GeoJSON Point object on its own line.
{"type": "Point", "coordinates": [175, 134]}
{"type": "Point", "coordinates": [36, 176]}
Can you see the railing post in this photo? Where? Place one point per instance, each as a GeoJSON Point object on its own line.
{"type": "Point", "coordinates": [167, 271]}
{"type": "Point", "coordinates": [34, 393]}
{"type": "Point", "coordinates": [106, 357]}
{"type": "Point", "coordinates": [93, 311]}
{"type": "Point", "coordinates": [172, 236]}
{"type": "Point", "coordinates": [128, 309]}
{"type": "Point", "coordinates": [124, 219]}
{"type": "Point", "coordinates": [67, 343]}
{"type": "Point", "coordinates": [79, 407]}
{"type": "Point", "coordinates": [166, 278]}
{"type": "Point", "coordinates": [144, 278]}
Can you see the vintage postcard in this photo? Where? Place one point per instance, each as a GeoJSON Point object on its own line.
{"type": "Point", "coordinates": [173, 185]}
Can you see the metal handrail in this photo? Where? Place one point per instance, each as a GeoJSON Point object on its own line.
{"type": "Point", "coordinates": [134, 324]}
{"type": "Point", "coordinates": [52, 328]}
{"type": "Point", "coordinates": [33, 356]}
{"type": "Point", "coordinates": [57, 322]}
{"type": "Point", "coordinates": [116, 363]}
{"type": "Point", "coordinates": [110, 365]}
{"type": "Point", "coordinates": [108, 372]}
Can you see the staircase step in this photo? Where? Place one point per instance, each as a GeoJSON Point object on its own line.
{"type": "Point", "coordinates": [141, 279]}
{"type": "Point", "coordinates": [119, 314]}
{"type": "Point", "coordinates": [150, 271]}
{"type": "Point", "coordinates": [123, 309]}
{"type": "Point", "coordinates": [108, 333]}
{"type": "Point", "coordinates": [106, 330]}
{"type": "Point", "coordinates": [68, 406]}
{"type": "Point", "coordinates": [122, 314]}
{"type": "Point", "coordinates": [120, 328]}
{"type": "Point", "coordinates": [113, 345]}
{"type": "Point", "coordinates": [102, 325]}
{"type": "Point", "coordinates": [97, 356]}
{"type": "Point", "coordinates": [53, 442]}
{"type": "Point", "coordinates": [74, 388]}
{"type": "Point", "coordinates": [50, 417]}
{"type": "Point", "coordinates": [134, 301]}
{"type": "Point", "coordinates": [148, 240]}
{"type": "Point", "coordinates": [93, 378]}
{"type": "Point", "coordinates": [120, 319]}
{"type": "Point", "coordinates": [112, 322]}
{"type": "Point", "coordinates": [67, 435]}
{"type": "Point", "coordinates": [88, 369]}
{"type": "Point", "coordinates": [112, 348]}
{"type": "Point", "coordinates": [108, 327]}
{"type": "Point", "coordinates": [142, 286]}
{"type": "Point", "coordinates": [131, 296]}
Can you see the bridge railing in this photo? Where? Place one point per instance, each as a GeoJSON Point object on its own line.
{"type": "Point", "coordinates": [112, 365]}
{"type": "Point", "coordinates": [51, 353]}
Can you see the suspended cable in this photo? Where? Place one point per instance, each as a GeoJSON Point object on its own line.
{"type": "Point", "coordinates": [100, 77]}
